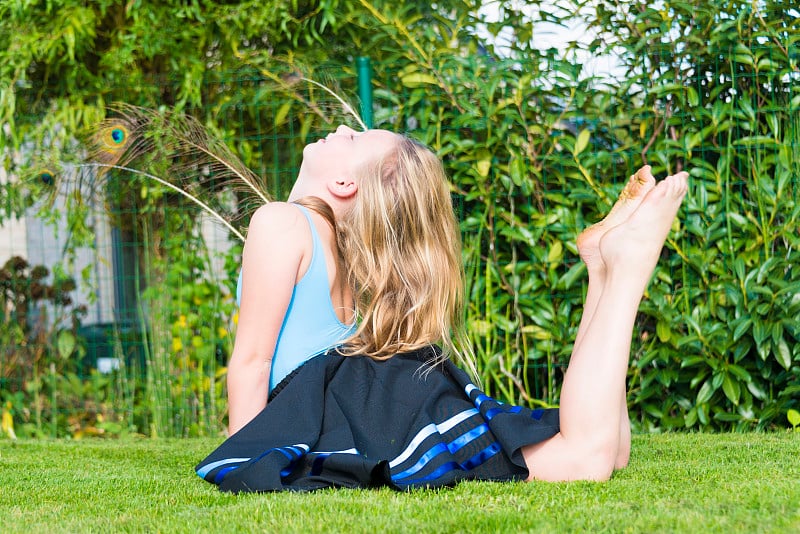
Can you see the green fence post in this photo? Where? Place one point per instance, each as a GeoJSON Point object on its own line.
{"type": "Point", "coordinates": [365, 89]}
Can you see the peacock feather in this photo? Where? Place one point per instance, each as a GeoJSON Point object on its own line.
{"type": "Point", "coordinates": [174, 150]}
{"type": "Point", "coordinates": [178, 152]}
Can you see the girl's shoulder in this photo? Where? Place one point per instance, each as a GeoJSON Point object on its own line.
{"type": "Point", "coordinates": [277, 215]}
{"type": "Point", "coordinates": [279, 226]}
{"type": "Point", "coordinates": [281, 221]}
{"type": "Point", "coordinates": [279, 237]}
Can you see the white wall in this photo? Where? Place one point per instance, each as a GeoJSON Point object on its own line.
{"type": "Point", "coordinates": [43, 244]}
{"type": "Point", "coordinates": [13, 239]}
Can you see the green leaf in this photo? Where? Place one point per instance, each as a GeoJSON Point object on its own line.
{"type": "Point", "coordinates": [794, 417]}
{"type": "Point", "coordinates": [742, 54]}
{"type": "Point", "coordinates": [480, 327]}
{"type": "Point", "coordinates": [724, 416]}
{"type": "Point", "coordinates": [783, 354]}
{"type": "Point", "coordinates": [705, 393]}
{"type": "Point", "coordinates": [690, 361]}
{"type": "Point", "coordinates": [755, 140]}
{"type": "Point", "coordinates": [737, 219]}
{"type": "Point", "coordinates": [571, 275]}
{"type": "Point", "coordinates": [417, 79]}
{"type": "Point", "coordinates": [740, 372]}
{"type": "Point", "coordinates": [702, 414]}
{"type": "Point", "coordinates": [765, 63]}
{"type": "Point", "coordinates": [741, 328]}
{"type": "Point", "coordinates": [691, 96]}
{"type": "Point", "coordinates": [690, 418]}
{"type": "Point", "coordinates": [536, 332]}
{"type": "Point", "coordinates": [65, 344]}
{"type": "Point", "coordinates": [731, 388]}
{"type": "Point", "coordinates": [760, 332]}
{"type": "Point", "coordinates": [739, 268]}
{"type": "Point", "coordinates": [582, 142]}
{"type": "Point", "coordinates": [556, 252]}
{"type": "Point", "coordinates": [518, 170]}
{"type": "Point", "coordinates": [483, 166]}
{"type": "Point", "coordinates": [756, 390]}
{"type": "Point", "coordinates": [764, 349]}
{"type": "Point", "coordinates": [282, 112]}
{"type": "Point", "coordinates": [504, 324]}
{"type": "Point", "coordinates": [663, 331]}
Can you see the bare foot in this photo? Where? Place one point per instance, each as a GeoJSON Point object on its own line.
{"type": "Point", "coordinates": [633, 193]}
{"type": "Point", "coordinates": [632, 248]}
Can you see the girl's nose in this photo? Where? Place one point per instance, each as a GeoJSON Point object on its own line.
{"type": "Point", "coordinates": [344, 130]}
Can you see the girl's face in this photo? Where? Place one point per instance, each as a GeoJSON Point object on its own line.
{"type": "Point", "coordinates": [342, 153]}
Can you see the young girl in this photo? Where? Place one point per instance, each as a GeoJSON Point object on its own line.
{"type": "Point", "coordinates": [386, 406]}
{"type": "Point", "coordinates": [294, 300]}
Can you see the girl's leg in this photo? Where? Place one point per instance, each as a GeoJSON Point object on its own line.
{"type": "Point", "coordinates": [588, 241]}
{"type": "Point", "coordinates": [589, 248]}
{"type": "Point", "coordinates": [624, 443]}
{"type": "Point", "coordinates": [591, 413]}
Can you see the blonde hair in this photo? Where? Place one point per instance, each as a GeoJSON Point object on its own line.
{"type": "Point", "coordinates": [321, 207]}
{"type": "Point", "coordinates": [402, 251]}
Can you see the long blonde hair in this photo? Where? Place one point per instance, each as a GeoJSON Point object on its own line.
{"type": "Point", "coordinates": [402, 251]}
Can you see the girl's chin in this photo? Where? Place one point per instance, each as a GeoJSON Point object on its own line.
{"type": "Point", "coordinates": [318, 142]}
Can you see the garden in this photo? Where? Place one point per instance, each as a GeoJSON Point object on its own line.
{"type": "Point", "coordinates": [118, 290]}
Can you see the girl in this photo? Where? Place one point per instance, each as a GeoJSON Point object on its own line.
{"type": "Point", "coordinates": [386, 406]}
{"type": "Point", "coordinates": [294, 300]}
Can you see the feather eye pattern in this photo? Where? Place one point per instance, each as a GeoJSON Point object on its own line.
{"type": "Point", "coordinates": [118, 140]}
{"type": "Point", "coordinates": [46, 176]}
{"type": "Point", "coordinates": [115, 138]}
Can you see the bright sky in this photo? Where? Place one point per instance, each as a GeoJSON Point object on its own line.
{"type": "Point", "coordinates": [548, 35]}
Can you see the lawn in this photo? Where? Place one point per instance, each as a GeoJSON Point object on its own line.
{"type": "Point", "coordinates": [675, 483]}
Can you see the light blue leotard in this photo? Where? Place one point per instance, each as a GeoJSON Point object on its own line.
{"type": "Point", "coordinates": [310, 326]}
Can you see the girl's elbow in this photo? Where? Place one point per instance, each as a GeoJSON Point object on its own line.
{"type": "Point", "coordinates": [249, 358]}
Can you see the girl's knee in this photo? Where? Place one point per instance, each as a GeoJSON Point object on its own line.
{"type": "Point", "coordinates": [597, 460]}
{"type": "Point", "coordinates": [574, 461]}
{"type": "Point", "coordinates": [599, 466]}
{"type": "Point", "coordinates": [623, 455]}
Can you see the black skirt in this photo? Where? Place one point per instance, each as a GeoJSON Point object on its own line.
{"type": "Point", "coordinates": [355, 422]}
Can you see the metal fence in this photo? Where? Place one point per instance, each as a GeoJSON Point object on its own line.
{"type": "Point", "coordinates": [150, 294]}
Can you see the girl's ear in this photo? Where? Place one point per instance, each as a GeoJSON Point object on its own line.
{"type": "Point", "coordinates": [342, 188]}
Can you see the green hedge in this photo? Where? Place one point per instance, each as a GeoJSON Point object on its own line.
{"type": "Point", "coordinates": [537, 149]}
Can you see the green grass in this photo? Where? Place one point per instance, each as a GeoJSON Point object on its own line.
{"type": "Point", "coordinates": [675, 483]}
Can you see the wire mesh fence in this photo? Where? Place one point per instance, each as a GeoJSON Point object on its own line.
{"type": "Point", "coordinates": [119, 318]}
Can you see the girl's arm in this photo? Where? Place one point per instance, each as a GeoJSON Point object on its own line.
{"type": "Point", "coordinates": [273, 253]}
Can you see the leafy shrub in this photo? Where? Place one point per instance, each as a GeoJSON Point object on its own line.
{"type": "Point", "coordinates": [38, 342]}
{"type": "Point", "coordinates": [537, 148]}
{"type": "Point", "coordinates": [532, 143]}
